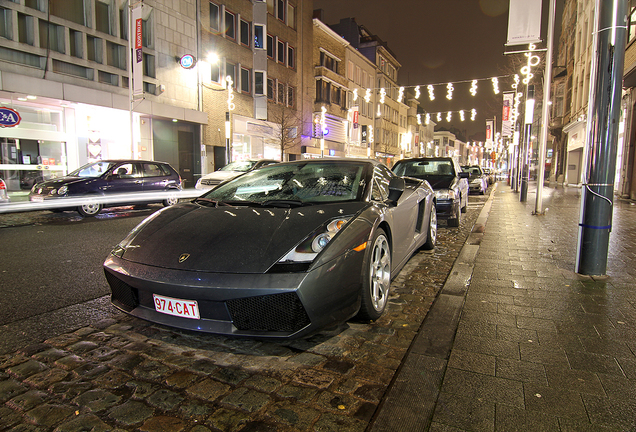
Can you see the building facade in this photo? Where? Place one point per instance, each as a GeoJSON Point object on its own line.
{"type": "Point", "coordinates": [64, 69]}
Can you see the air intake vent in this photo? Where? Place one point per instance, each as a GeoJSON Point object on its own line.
{"type": "Point", "coordinates": [276, 312]}
{"type": "Point", "coordinates": [123, 294]}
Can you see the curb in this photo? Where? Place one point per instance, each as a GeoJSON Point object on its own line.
{"type": "Point", "coordinates": [411, 398]}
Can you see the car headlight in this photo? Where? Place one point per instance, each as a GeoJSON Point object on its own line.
{"type": "Point", "coordinates": [313, 244]}
{"type": "Point", "coordinates": [445, 194]}
{"type": "Point", "coordinates": [62, 190]}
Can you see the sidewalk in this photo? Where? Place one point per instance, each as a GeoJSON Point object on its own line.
{"type": "Point", "coordinates": [516, 340]}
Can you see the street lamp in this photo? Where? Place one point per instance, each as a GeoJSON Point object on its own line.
{"type": "Point", "coordinates": [527, 135]}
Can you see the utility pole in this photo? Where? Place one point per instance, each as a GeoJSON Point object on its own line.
{"type": "Point", "coordinates": [595, 223]}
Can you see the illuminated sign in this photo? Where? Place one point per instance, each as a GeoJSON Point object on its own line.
{"type": "Point", "coordinates": [187, 61]}
{"type": "Point", "coordinates": [9, 117]}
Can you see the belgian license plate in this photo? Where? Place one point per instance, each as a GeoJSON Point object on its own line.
{"type": "Point", "coordinates": [176, 307]}
{"type": "Point", "coordinates": [37, 198]}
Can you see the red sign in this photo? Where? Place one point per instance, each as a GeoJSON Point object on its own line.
{"type": "Point", "coordinates": [9, 117]}
{"type": "Point", "coordinates": [355, 117]}
{"type": "Point", "coordinates": [138, 33]}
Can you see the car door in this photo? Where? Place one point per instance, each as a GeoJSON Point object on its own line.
{"type": "Point", "coordinates": [123, 178]}
{"type": "Point", "coordinates": [154, 177]}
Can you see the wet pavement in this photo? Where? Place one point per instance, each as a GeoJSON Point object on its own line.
{"type": "Point", "coordinates": [122, 373]}
{"type": "Point", "coordinates": [490, 331]}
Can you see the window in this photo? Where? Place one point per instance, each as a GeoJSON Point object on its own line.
{"type": "Point", "coordinates": [291, 16]}
{"type": "Point", "coordinates": [230, 70]}
{"type": "Point", "coordinates": [123, 22]}
{"type": "Point", "coordinates": [94, 49]}
{"type": "Point", "coordinates": [281, 93]}
{"type": "Point", "coordinates": [246, 80]}
{"type": "Point", "coordinates": [230, 25]}
{"type": "Point", "coordinates": [115, 55]}
{"type": "Point", "coordinates": [271, 5]}
{"type": "Point", "coordinates": [291, 57]}
{"type": "Point", "coordinates": [72, 10]}
{"type": "Point", "coordinates": [35, 4]}
{"type": "Point", "coordinates": [25, 29]}
{"type": "Point", "coordinates": [270, 46]}
{"type": "Point", "coordinates": [280, 10]}
{"type": "Point", "coordinates": [214, 17]}
{"type": "Point", "coordinates": [329, 62]}
{"type": "Point", "coordinates": [215, 72]}
{"type": "Point", "coordinates": [632, 25]}
{"type": "Point", "coordinates": [102, 17]}
{"type": "Point", "coordinates": [6, 30]}
{"type": "Point", "coordinates": [146, 32]}
{"type": "Point", "coordinates": [281, 51]}
{"type": "Point", "coordinates": [75, 38]}
{"type": "Point", "coordinates": [149, 66]}
{"type": "Point", "coordinates": [259, 36]}
{"type": "Point", "coordinates": [107, 78]}
{"type": "Point", "coordinates": [52, 35]}
{"type": "Point", "coordinates": [245, 33]}
{"type": "Point", "coordinates": [270, 89]}
{"type": "Point", "coordinates": [291, 96]}
{"type": "Point", "coordinates": [259, 83]}
{"type": "Point", "coordinates": [323, 91]}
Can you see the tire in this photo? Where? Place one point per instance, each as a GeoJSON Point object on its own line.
{"type": "Point", "coordinates": [465, 208]}
{"type": "Point", "coordinates": [172, 200]}
{"type": "Point", "coordinates": [89, 209]}
{"type": "Point", "coordinates": [377, 278]}
{"type": "Point", "coordinates": [431, 232]}
{"type": "Point", "coordinates": [454, 222]}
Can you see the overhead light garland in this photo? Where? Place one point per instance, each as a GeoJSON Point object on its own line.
{"type": "Point", "coordinates": [473, 88]}
{"type": "Point", "coordinates": [449, 89]}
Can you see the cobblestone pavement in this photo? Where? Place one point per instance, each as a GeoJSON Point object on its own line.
{"type": "Point", "coordinates": [128, 375]}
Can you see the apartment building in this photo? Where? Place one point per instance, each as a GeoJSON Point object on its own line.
{"type": "Point", "coordinates": [64, 69]}
{"type": "Point", "coordinates": [255, 79]}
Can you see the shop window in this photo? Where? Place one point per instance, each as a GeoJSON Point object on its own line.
{"type": "Point", "coordinates": [230, 25]}
{"type": "Point", "coordinates": [76, 43]}
{"type": "Point", "coordinates": [103, 21]}
{"type": "Point", "coordinates": [281, 93]}
{"type": "Point", "coordinates": [280, 12]}
{"type": "Point", "coordinates": [72, 10]}
{"type": "Point", "coordinates": [25, 29]}
{"type": "Point", "coordinates": [259, 83]}
{"type": "Point", "coordinates": [94, 49]}
{"type": "Point", "coordinates": [52, 35]}
{"type": "Point", "coordinates": [270, 88]}
{"type": "Point", "coordinates": [291, 57]}
{"type": "Point", "coordinates": [149, 66]}
{"type": "Point", "coordinates": [115, 55]}
{"type": "Point", "coordinates": [281, 51]}
{"type": "Point", "coordinates": [6, 29]}
{"type": "Point", "coordinates": [230, 70]}
{"type": "Point", "coordinates": [291, 16]}
{"type": "Point", "coordinates": [246, 80]}
{"type": "Point", "coordinates": [214, 17]}
{"type": "Point", "coordinates": [270, 46]}
{"type": "Point", "coordinates": [291, 96]}
{"type": "Point", "coordinates": [245, 33]}
{"type": "Point", "coordinates": [259, 36]}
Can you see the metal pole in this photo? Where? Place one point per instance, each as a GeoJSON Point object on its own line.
{"type": "Point", "coordinates": [545, 116]}
{"type": "Point", "coordinates": [527, 136]}
{"type": "Point", "coordinates": [604, 108]}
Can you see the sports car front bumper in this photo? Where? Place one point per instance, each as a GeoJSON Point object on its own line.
{"type": "Point", "coordinates": [271, 305]}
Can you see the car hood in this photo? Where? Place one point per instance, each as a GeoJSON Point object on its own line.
{"type": "Point", "coordinates": [439, 182]}
{"type": "Point", "coordinates": [228, 239]}
{"type": "Point", "coordinates": [61, 181]}
{"type": "Point", "coordinates": [221, 175]}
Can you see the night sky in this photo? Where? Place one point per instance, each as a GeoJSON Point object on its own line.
{"type": "Point", "coordinates": [441, 41]}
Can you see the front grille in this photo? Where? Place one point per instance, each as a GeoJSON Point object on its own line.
{"type": "Point", "coordinates": [276, 312]}
{"type": "Point", "coordinates": [210, 182]}
{"type": "Point", "coordinates": [123, 294]}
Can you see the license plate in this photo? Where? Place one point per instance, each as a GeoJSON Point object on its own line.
{"type": "Point", "coordinates": [37, 198]}
{"type": "Point", "coordinates": [176, 307]}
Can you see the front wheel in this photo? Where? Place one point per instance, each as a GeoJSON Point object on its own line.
{"type": "Point", "coordinates": [454, 222]}
{"type": "Point", "coordinates": [90, 209]}
{"type": "Point", "coordinates": [377, 278]}
{"type": "Point", "coordinates": [465, 208]}
{"type": "Point", "coordinates": [170, 201]}
{"type": "Point", "coordinates": [431, 233]}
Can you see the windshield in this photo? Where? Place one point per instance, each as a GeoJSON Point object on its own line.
{"type": "Point", "coordinates": [302, 183]}
{"type": "Point", "coordinates": [241, 166]}
{"type": "Point", "coordinates": [420, 168]}
{"type": "Point", "coordinates": [473, 172]}
{"type": "Point", "coordinates": [95, 169]}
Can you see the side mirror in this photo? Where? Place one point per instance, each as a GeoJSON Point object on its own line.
{"type": "Point", "coordinates": [396, 189]}
{"type": "Point", "coordinates": [463, 175]}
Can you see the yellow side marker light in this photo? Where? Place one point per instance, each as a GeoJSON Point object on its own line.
{"type": "Point", "coordinates": [360, 248]}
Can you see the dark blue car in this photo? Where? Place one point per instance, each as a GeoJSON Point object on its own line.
{"type": "Point", "coordinates": [110, 182]}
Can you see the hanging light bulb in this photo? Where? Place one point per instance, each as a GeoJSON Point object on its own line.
{"type": "Point", "coordinates": [382, 95]}
{"type": "Point", "coordinates": [431, 92]}
{"type": "Point", "coordinates": [401, 94]}
{"type": "Point", "coordinates": [495, 85]}
{"type": "Point", "coordinates": [367, 96]}
{"type": "Point", "coordinates": [427, 119]}
{"type": "Point", "coordinates": [417, 92]}
{"type": "Point", "coordinates": [449, 89]}
{"type": "Point", "coordinates": [461, 115]}
{"type": "Point", "coordinates": [473, 88]}
{"type": "Point", "coordinates": [355, 95]}
{"type": "Point", "coordinates": [449, 116]}
{"type": "Point", "coordinates": [439, 116]}
{"type": "Point", "coordinates": [473, 114]}
{"type": "Point", "coordinates": [419, 119]}
{"type": "Point", "coordinates": [230, 93]}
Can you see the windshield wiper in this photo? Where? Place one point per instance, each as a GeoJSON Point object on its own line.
{"type": "Point", "coordinates": [284, 203]}
{"type": "Point", "coordinates": [206, 201]}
